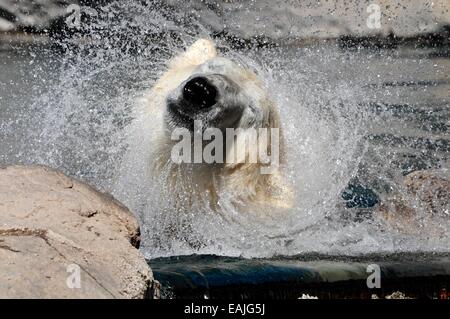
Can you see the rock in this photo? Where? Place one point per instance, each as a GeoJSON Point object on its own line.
{"type": "Point", "coordinates": [432, 188]}
{"type": "Point", "coordinates": [273, 19]}
{"type": "Point", "coordinates": [155, 290]}
{"type": "Point", "coordinates": [424, 207]}
{"type": "Point", "coordinates": [35, 15]}
{"type": "Point", "coordinates": [306, 296]}
{"type": "Point", "coordinates": [281, 19]}
{"type": "Point", "coordinates": [397, 295]}
{"type": "Point", "coordinates": [6, 25]}
{"type": "Point", "coordinates": [394, 295]}
{"type": "Point", "coordinates": [54, 228]}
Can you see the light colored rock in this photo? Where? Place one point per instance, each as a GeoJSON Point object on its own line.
{"type": "Point", "coordinates": [306, 296]}
{"type": "Point", "coordinates": [394, 295]}
{"type": "Point", "coordinates": [424, 207]}
{"type": "Point", "coordinates": [37, 14]}
{"type": "Point", "coordinates": [397, 295]}
{"type": "Point", "coordinates": [6, 25]}
{"type": "Point", "coordinates": [50, 224]}
{"type": "Point", "coordinates": [281, 19]}
{"type": "Point", "coordinates": [432, 188]}
{"type": "Point", "coordinates": [278, 19]}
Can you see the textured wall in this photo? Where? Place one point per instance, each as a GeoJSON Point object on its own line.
{"type": "Point", "coordinates": [274, 18]}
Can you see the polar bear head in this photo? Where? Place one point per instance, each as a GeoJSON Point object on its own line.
{"type": "Point", "coordinates": [199, 86]}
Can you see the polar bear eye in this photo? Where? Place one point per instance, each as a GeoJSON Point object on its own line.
{"type": "Point", "coordinates": [200, 92]}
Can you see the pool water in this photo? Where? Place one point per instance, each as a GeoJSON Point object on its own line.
{"type": "Point", "coordinates": [355, 121]}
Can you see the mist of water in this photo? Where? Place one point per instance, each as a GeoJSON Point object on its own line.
{"type": "Point", "coordinates": [90, 125]}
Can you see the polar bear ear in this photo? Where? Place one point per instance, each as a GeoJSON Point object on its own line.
{"type": "Point", "coordinates": [198, 53]}
{"type": "Point", "coordinates": [201, 50]}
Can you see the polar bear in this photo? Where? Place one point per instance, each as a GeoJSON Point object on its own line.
{"type": "Point", "coordinates": [198, 85]}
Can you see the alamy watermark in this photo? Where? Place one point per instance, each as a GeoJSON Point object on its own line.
{"type": "Point", "coordinates": [239, 145]}
{"type": "Point", "coordinates": [74, 14]}
{"type": "Point", "coordinates": [374, 279]}
{"type": "Point", "coordinates": [74, 18]}
{"type": "Point", "coordinates": [374, 19]}
{"type": "Point", "coordinates": [73, 281]}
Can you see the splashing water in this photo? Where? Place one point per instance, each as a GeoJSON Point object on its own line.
{"type": "Point", "coordinates": [89, 124]}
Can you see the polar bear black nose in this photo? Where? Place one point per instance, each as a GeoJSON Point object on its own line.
{"type": "Point", "coordinates": [200, 92]}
